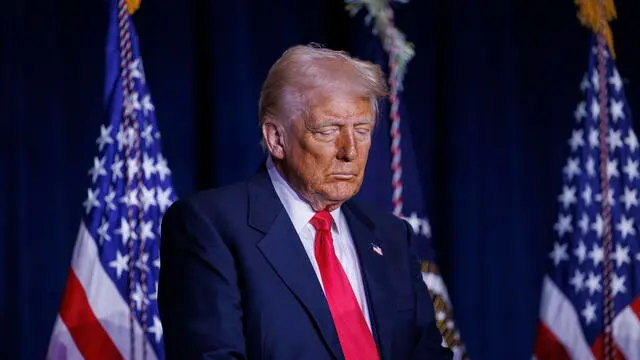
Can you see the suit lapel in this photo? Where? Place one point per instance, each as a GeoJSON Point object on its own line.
{"type": "Point", "coordinates": [284, 251]}
{"type": "Point", "coordinates": [375, 276]}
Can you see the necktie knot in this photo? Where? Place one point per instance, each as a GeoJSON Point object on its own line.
{"type": "Point", "coordinates": [321, 220]}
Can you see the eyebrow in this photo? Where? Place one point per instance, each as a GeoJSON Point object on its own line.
{"type": "Point", "coordinates": [330, 121]}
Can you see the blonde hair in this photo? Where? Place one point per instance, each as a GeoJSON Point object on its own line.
{"type": "Point", "coordinates": [304, 71]}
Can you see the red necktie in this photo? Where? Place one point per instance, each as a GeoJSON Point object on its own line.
{"type": "Point", "coordinates": [355, 338]}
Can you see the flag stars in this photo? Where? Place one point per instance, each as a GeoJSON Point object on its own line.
{"type": "Point", "coordinates": [138, 297]}
{"type": "Point", "coordinates": [595, 80]}
{"type": "Point", "coordinates": [586, 195]}
{"type": "Point", "coordinates": [617, 110]}
{"type": "Point", "coordinates": [120, 263]}
{"type": "Point", "coordinates": [610, 197]}
{"type": "Point", "coordinates": [154, 295]}
{"type": "Point", "coordinates": [614, 139]}
{"type": "Point", "coordinates": [612, 169]}
{"type": "Point", "coordinates": [631, 169]}
{"type": "Point", "coordinates": [572, 168]}
{"type": "Point", "coordinates": [108, 200]}
{"type": "Point", "coordinates": [103, 231]}
{"type": "Point", "coordinates": [132, 104]}
{"type": "Point", "coordinates": [92, 200]}
{"type": "Point", "coordinates": [156, 329]}
{"type": "Point", "coordinates": [133, 168]}
{"type": "Point", "coordinates": [630, 198]}
{"type": "Point", "coordinates": [116, 168]}
{"type": "Point", "coordinates": [595, 109]}
{"type": "Point", "coordinates": [621, 255]}
{"type": "Point", "coordinates": [584, 223]}
{"type": "Point", "coordinates": [589, 312]}
{"type": "Point", "coordinates": [559, 253]}
{"type": "Point", "coordinates": [594, 140]}
{"type": "Point", "coordinates": [163, 198]}
{"type": "Point", "coordinates": [598, 225]}
{"type": "Point", "coordinates": [148, 197]}
{"type": "Point", "coordinates": [584, 84]}
{"type": "Point", "coordinates": [148, 166]}
{"type": "Point", "coordinates": [581, 111]}
{"type": "Point", "coordinates": [591, 167]}
{"type": "Point", "coordinates": [162, 168]}
{"type": "Point", "coordinates": [126, 230]}
{"type": "Point", "coordinates": [147, 107]}
{"type": "Point", "coordinates": [577, 139]}
{"type": "Point", "coordinates": [136, 70]}
{"type": "Point", "coordinates": [105, 137]}
{"type": "Point", "coordinates": [131, 198]}
{"type": "Point", "coordinates": [631, 140]}
{"type": "Point", "coordinates": [563, 225]}
{"type": "Point", "coordinates": [577, 281]}
{"type": "Point", "coordinates": [617, 285]}
{"type": "Point", "coordinates": [615, 80]}
{"type": "Point", "coordinates": [568, 196]}
{"type": "Point", "coordinates": [596, 254]}
{"type": "Point", "coordinates": [146, 233]}
{"type": "Point", "coordinates": [142, 261]}
{"type": "Point", "coordinates": [147, 136]}
{"type": "Point", "coordinates": [626, 227]}
{"type": "Point", "coordinates": [125, 137]}
{"type": "Point", "coordinates": [593, 283]}
{"type": "Point", "coordinates": [98, 168]}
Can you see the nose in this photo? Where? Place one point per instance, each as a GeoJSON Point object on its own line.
{"type": "Point", "coordinates": [347, 146]}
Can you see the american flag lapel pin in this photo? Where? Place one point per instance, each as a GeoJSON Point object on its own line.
{"type": "Point", "coordinates": [376, 249]}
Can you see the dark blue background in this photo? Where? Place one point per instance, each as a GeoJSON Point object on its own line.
{"type": "Point", "coordinates": [490, 95]}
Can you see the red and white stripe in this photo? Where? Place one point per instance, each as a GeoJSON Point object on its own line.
{"type": "Point", "coordinates": [93, 321]}
{"type": "Point", "coordinates": [560, 336]}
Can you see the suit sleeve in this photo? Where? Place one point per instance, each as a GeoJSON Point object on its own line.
{"type": "Point", "coordinates": [429, 343]}
{"type": "Point", "coordinates": [198, 296]}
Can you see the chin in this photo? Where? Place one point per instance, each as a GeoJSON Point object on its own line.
{"type": "Point", "coordinates": [341, 195]}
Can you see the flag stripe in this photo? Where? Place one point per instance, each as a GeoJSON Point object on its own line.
{"type": "Point", "coordinates": [62, 347]}
{"type": "Point", "coordinates": [104, 298]}
{"type": "Point", "coordinates": [626, 330]}
{"type": "Point", "coordinates": [85, 329]}
{"type": "Point", "coordinates": [598, 349]}
{"type": "Point", "coordinates": [548, 346]}
{"type": "Point", "coordinates": [561, 319]}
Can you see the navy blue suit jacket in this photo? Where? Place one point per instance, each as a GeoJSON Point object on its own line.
{"type": "Point", "coordinates": [236, 282]}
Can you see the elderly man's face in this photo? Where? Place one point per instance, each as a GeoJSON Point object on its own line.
{"type": "Point", "coordinates": [325, 156]}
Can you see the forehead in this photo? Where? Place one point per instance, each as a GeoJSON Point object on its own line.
{"type": "Point", "coordinates": [340, 106]}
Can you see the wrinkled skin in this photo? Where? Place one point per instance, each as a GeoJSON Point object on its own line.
{"type": "Point", "coordinates": [323, 156]}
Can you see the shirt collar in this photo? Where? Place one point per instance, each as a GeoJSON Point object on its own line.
{"type": "Point", "coordinates": [300, 212]}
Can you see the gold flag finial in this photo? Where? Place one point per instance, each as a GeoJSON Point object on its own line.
{"type": "Point", "coordinates": [591, 17]}
{"type": "Point", "coordinates": [133, 5]}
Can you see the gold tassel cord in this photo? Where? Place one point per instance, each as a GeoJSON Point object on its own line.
{"type": "Point", "coordinates": [133, 6]}
{"type": "Point", "coordinates": [591, 17]}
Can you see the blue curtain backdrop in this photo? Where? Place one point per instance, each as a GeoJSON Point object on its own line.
{"type": "Point", "coordinates": [490, 95]}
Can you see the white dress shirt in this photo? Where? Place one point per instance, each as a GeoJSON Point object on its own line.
{"type": "Point", "coordinates": [300, 213]}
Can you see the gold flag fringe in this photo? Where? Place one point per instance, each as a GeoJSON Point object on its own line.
{"type": "Point", "coordinates": [591, 17]}
{"type": "Point", "coordinates": [133, 6]}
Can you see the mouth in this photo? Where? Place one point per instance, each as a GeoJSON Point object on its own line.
{"type": "Point", "coordinates": [343, 176]}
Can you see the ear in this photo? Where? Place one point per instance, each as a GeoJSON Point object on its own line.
{"type": "Point", "coordinates": [273, 133]}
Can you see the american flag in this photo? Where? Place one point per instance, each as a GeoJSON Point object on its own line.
{"type": "Point", "coordinates": [109, 308]}
{"type": "Point", "coordinates": [582, 289]}
{"type": "Point", "coordinates": [392, 178]}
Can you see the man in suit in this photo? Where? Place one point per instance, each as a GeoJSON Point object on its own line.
{"type": "Point", "coordinates": [286, 265]}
